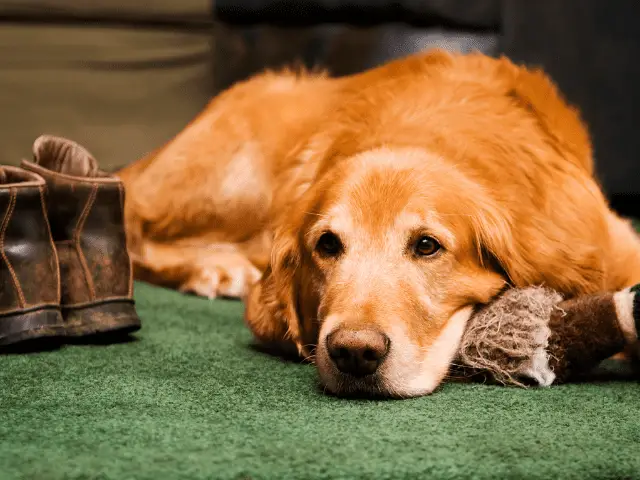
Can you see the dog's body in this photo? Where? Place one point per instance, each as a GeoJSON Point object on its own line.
{"type": "Point", "coordinates": [368, 214]}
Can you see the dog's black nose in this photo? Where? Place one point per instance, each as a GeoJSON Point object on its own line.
{"type": "Point", "coordinates": [357, 352]}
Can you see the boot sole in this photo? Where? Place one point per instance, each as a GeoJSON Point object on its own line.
{"type": "Point", "coordinates": [114, 317]}
{"type": "Point", "coordinates": [31, 325]}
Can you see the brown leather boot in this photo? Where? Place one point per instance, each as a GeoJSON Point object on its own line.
{"type": "Point", "coordinates": [85, 211]}
{"type": "Point", "coordinates": [29, 273]}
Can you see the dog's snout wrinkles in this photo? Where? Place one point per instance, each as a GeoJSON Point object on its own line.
{"type": "Point", "coordinates": [357, 352]}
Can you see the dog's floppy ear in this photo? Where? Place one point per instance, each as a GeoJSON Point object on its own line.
{"type": "Point", "coordinates": [562, 256]}
{"type": "Point", "coordinates": [272, 311]}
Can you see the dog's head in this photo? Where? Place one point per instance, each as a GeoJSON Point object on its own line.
{"type": "Point", "coordinates": [378, 266]}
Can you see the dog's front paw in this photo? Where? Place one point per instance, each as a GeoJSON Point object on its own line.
{"type": "Point", "coordinates": [229, 276]}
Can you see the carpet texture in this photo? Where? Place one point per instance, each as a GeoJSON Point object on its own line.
{"type": "Point", "coordinates": [191, 399]}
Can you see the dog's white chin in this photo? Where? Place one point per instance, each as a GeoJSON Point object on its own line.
{"type": "Point", "coordinates": [407, 371]}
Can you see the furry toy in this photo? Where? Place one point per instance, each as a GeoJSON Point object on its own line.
{"type": "Point", "coordinates": [533, 336]}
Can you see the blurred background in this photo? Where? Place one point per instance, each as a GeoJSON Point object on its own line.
{"type": "Point", "coordinates": [124, 76]}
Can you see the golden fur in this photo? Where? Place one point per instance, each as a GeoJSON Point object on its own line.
{"type": "Point", "coordinates": [481, 154]}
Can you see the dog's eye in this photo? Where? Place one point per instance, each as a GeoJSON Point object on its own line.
{"type": "Point", "coordinates": [426, 246]}
{"type": "Point", "coordinates": [329, 245]}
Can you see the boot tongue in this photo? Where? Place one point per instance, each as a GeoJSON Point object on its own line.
{"type": "Point", "coordinates": [3, 176]}
{"type": "Point", "coordinates": [64, 156]}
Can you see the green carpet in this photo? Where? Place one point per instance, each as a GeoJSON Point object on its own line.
{"type": "Point", "coordinates": [190, 399]}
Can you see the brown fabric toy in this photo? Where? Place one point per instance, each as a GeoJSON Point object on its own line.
{"type": "Point", "coordinates": [533, 336]}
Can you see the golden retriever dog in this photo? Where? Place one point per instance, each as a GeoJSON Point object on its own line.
{"type": "Point", "coordinates": [363, 218]}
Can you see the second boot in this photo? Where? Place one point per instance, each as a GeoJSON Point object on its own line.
{"type": "Point", "coordinates": [85, 211]}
